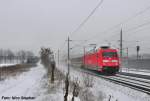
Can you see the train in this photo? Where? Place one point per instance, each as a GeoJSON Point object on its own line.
{"type": "Point", "coordinates": [103, 59]}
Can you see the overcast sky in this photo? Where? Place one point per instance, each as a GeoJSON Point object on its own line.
{"type": "Point", "coordinates": [30, 24]}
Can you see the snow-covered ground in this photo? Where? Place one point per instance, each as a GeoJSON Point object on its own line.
{"type": "Point", "coordinates": [26, 84]}
{"type": "Point", "coordinates": [104, 89]}
{"type": "Point", "coordinates": [34, 84]}
{"type": "Point", "coordinates": [136, 71]}
{"type": "Point", "coordinates": [7, 64]}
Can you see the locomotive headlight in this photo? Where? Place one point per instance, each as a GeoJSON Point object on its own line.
{"type": "Point", "coordinates": [105, 60]}
{"type": "Point", "coordinates": [114, 61]}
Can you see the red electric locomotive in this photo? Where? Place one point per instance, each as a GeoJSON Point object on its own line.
{"type": "Point", "coordinates": [104, 59]}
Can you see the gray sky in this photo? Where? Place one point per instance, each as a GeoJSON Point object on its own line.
{"type": "Point", "coordinates": [30, 24]}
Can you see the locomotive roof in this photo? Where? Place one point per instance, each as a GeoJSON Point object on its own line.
{"type": "Point", "coordinates": [109, 49]}
{"type": "Point", "coordinates": [102, 49]}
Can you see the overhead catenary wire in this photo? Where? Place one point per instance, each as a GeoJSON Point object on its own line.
{"type": "Point", "coordinates": [87, 18]}
{"type": "Point", "coordinates": [139, 26]}
{"type": "Point", "coordinates": [115, 26]}
{"type": "Point", "coordinates": [62, 46]}
{"type": "Point", "coordinates": [128, 30]}
{"type": "Point", "coordinates": [123, 22]}
{"type": "Point", "coordinates": [131, 29]}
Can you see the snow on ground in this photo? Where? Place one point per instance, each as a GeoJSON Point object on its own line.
{"type": "Point", "coordinates": [33, 84]}
{"type": "Point", "coordinates": [136, 71]}
{"type": "Point", "coordinates": [7, 64]}
{"type": "Point", "coordinates": [25, 84]}
{"type": "Point", "coordinates": [28, 84]}
{"type": "Point", "coordinates": [104, 89]}
{"type": "Point", "coordinates": [70, 98]}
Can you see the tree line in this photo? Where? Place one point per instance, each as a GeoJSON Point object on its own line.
{"type": "Point", "coordinates": [21, 56]}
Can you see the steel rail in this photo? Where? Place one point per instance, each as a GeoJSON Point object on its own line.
{"type": "Point", "coordinates": [134, 78]}
{"type": "Point", "coordinates": [128, 81]}
{"type": "Point", "coordinates": [131, 84]}
{"type": "Point", "coordinates": [135, 75]}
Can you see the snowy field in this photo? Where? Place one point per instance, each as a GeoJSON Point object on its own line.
{"type": "Point", "coordinates": [7, 64]}
{"type": "Point", "coordinates": [27, 86]}
{"type": "Point", "coordinates": [106, 90]}
{"type": "Point", "coordinates": [33, 86]}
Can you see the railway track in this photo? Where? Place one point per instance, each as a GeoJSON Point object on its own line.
{"type": "Point", "coordinates": [133, 82]}
{"type": "Point", "coordinates": [135, 75]}
{"type": "Point", "coordinates": [140, 85]}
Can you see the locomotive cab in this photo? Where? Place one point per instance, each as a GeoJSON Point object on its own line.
{"type": "Point", "coordinates": [110, 60]}
{"type": "Point", "coordinates": [105, 59]}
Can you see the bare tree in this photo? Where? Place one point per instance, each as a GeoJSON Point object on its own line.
{"type": "Point", "coordinates": [1, 55]}
{"type": "Point", "coordinates": [21, 56]}
{"type": "Point", "coordinates": [10, 55]}
{"type": "Point", "coordinates": [47, 59]}
{"type": "Point", "coordinates": [66, 87]}
{"type": "Point", "coordinates": [29, 54]}
{"type": "Point", "coordinates": [88, 80]}
{"type": "Point", "coordinates": [76, 89]}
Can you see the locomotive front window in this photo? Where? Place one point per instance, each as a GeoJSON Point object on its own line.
{"type": "Point", "coordinates": [109, 54]}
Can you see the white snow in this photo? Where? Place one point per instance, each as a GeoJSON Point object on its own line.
{"type": "Point", "coordinates": [24, 85]}
{"type": "Point", "coordinates": [33, 84]}
{"type": "Point", "coordinates": [106, 89]}
{"type": "Point", "coordinates": [70, 98]}
{"type": "Point", "coordinates": [136, 71]}
{"type": "Point", "coordinates": [7, 64]}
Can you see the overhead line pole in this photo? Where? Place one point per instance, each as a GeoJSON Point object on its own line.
{"type": "Point", "coordinates": [58, 57]}
{"type": "Point", "coordinates": [128, 57]}
{"type": "Point", "coordinates": [67, 76]}
{"type": "Point", "coordinates": [68, 55]}
{"type": "Point", "coordinates": [127, 52]}
{"type": "Point", "coordinates": [84, 54]}
{"type": "Point", "coordinates": [121, 49]}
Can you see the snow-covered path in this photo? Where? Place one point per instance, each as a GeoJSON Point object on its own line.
{"type": "Point", "coordinates": [27, 85]}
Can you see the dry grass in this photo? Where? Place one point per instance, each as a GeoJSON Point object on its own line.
{"type": "Point", "coordinates": [11, 71]}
